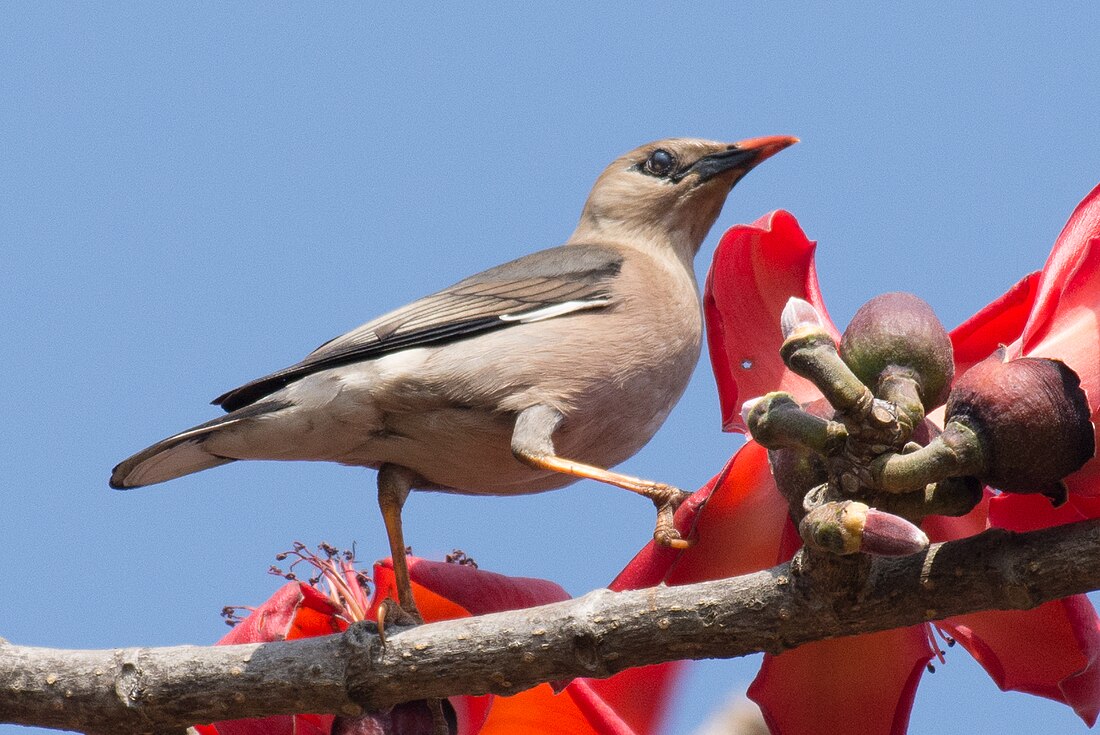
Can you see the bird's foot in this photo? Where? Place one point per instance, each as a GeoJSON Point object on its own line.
{"type": "Point", "coordinates": [662, 494]}
{"type": "Point", "coordinates": [390, 614]}
{"type": "Point", "coordinates": [665, 532]}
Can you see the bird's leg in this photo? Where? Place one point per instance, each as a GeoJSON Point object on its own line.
{"type": "Point", "coordinates": [533, 444]}
{"type": "Point", "coordinates": [394, 484]}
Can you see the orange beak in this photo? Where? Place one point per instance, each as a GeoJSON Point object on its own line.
{"type": "Point", "coordinates": [742, 156]}
{"type": "Point", "coordinates": [765, 147]}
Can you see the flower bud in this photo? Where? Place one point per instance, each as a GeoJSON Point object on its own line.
{"type": "Point", "coordinates": [848, 526]}
{"type": "Point", "coordinates": [900, 330]}
{"type": "Point", "coordinates": [747, 407]}
{"type": "Point", "coordinates": [885, 534]}
{"type": "Point", "coordinates": [1032, 419]}
{"type": "Point", "coordinates": [798, 469]}
{"type": "Point", "coordinates": [776, 420]}
{"type": "Point", "coordinates": [799, 314]}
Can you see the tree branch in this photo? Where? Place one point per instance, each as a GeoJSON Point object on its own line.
{"type": "Point", "coordinates": [814, 597]}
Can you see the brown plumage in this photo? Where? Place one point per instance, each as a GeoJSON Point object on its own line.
{"type": "Point", "coordinates": [519, 379]}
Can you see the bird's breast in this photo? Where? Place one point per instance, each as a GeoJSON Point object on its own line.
{"type": "Point", "coordinates": [614, 374]}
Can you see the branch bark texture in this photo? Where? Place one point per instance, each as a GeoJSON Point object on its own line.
{"type": "Point", "coordinates": [160, 690]}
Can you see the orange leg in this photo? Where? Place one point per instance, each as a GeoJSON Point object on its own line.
{"type": "Point", "coordinates": [533, 444]}
{"type": "Point", "coordinates": [666, 497]}
{"type": "Point", "coordinates": [394, 484]}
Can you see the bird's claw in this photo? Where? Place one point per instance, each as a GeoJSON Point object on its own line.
{"type": "Point", "coordinates": [666, 495]}
{"type": "Point", "coordinates": [391, 614]}
{"type": "Point", "coordinates": [665, 533]}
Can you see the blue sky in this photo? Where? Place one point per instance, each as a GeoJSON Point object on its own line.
{"type": "Point", "coordinates": [195, 195]}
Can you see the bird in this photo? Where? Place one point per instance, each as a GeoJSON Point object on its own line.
{"type": "Point", "coordinates": [523, 378]}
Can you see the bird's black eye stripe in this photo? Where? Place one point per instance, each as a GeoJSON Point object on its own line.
{"type": "Point", "coordinates": [660, 163]}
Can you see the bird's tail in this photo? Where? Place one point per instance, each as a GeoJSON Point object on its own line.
{"type": "Point", "coordinates": [182, 453]}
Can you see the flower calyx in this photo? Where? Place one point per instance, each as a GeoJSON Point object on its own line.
{"type": "Point", "coordinates": [892, 366]}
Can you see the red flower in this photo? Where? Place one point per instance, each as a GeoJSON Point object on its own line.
{"type": "Point", "coordinates": [741, 524]}
{"type": "Point", "coordinates": [622, 705]}
{"type": "Point", "coordinates": [296, 610]}
{"type": "Point", "coordinates": [1062, 319]}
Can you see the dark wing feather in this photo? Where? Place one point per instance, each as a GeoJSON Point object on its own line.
{"type": "Point", "coordinates": [491, 300]}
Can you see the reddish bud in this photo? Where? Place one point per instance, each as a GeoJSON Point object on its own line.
{"type": "Point", "coordinates": [885, 534]}
{"type": "Point", "coordinates": [900, 330]}
{"type": "Point", "coordinates": [1032, 419]}
{"type": "Point", "coordinates": [849, 526]}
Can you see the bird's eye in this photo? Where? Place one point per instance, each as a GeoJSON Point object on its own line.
{"type": "Point", "coordinates": [660, 162]}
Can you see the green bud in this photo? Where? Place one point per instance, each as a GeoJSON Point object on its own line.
{"type": "Point", "coordinates": [899, 330]}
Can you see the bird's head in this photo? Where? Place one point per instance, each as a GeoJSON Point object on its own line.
{"type": "Point", "coordinates": [668, 193]}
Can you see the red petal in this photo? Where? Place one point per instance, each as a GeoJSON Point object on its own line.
{"type": "Point", "coordinates": [650, 566]}
{"type": "Point", "coordinates": [1031, 512]}
{"type": "Point", "coordinates": [432, 607]}
{"type": "Point", "coordinates": [949, 528]}
{"type": "Point", "coordinates": [740, 528]}
{"type": "Point", "coordinates": [445, 591]}
{"type": "Point", "coordinates": [1052, 651]}
{"type": "Point", "coordinates": [472, 712]}
{"type": "Point", "coordinates": [737, 521]}
{"type": "Point", "coordinates": [284, 725]}
{"type": "Point", "coordinates": [864, 684]}
{"type": "Point", "coordinates": [604, 718]}
{"type": "Point", "coordinates": [629, 703]}
{"type": "Point", "coordinates": [1064, 260]}
{"type": "Point", "coordinates": [578, 711]}
{"type": "Point", "coordinates": [1071, 332]}
{"type": "Point", "coordinates": [1086, 481]}
{"type": "Point", "coordinates": [999, 323]}
{"type": "Point", "coordinates": [756, 268]}
{"type": "Point", "coordinates": [641, 696]}
{"type": "Point", "coordinates": [1064, 322]}
{"type": "Point", "coordinates": [296, 610]}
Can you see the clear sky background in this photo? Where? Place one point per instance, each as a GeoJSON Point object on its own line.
{"type": "Point", "coordinates": [192, 195]}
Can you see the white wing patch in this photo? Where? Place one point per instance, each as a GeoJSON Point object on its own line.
{"type": "Point", "coordinates": [554, 310]}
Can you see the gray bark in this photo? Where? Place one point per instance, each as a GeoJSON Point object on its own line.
{"type": "Point", "coordinates": [814, 597]}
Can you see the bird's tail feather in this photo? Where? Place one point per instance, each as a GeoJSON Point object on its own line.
{"type": "Point", "coordinates": [182, 453]}
{"type": "Point", "coordinates": [163, 461]}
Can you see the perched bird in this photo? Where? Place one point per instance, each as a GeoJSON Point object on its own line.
{"type": "Point", "coordinates": [519, 379]}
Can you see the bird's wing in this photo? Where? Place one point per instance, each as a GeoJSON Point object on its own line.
{"type": "Point", "coordinates": [543, 285]}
